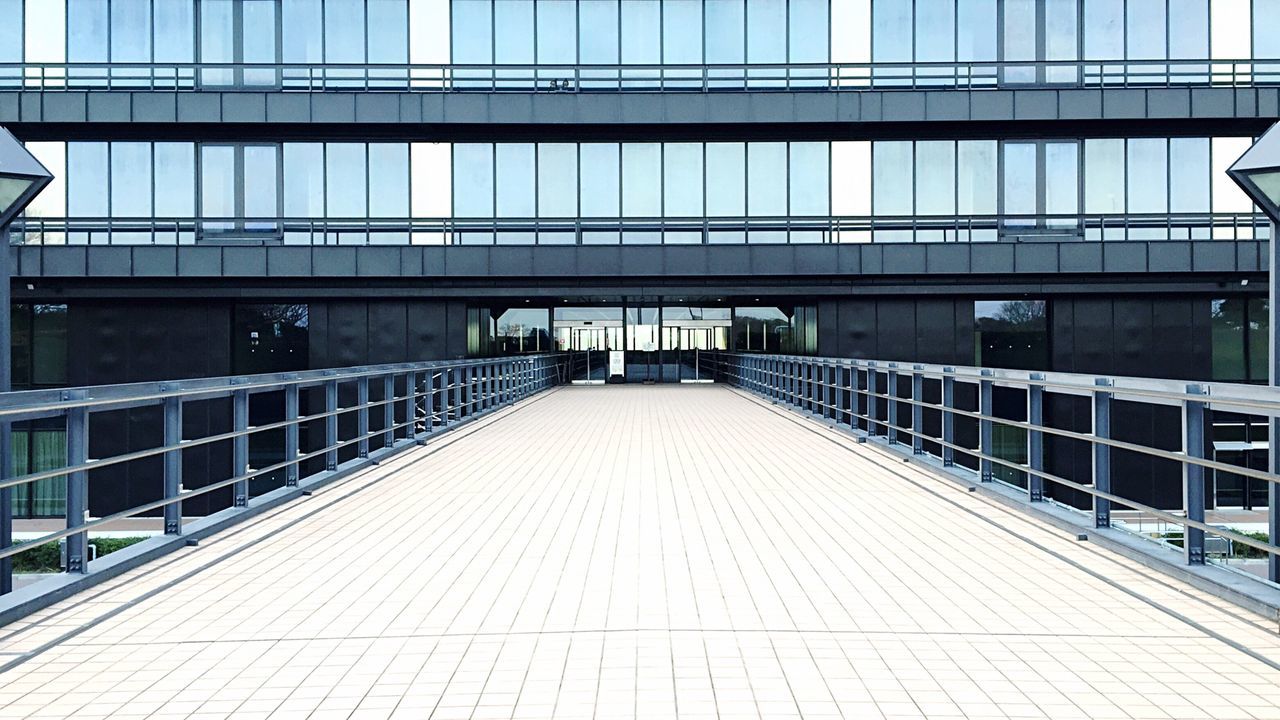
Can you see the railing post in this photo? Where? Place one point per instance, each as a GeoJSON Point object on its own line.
{"type": "Point", "coordinates": [77, 483]}
{"type": "Point", "coordinates": [362, 416]}
{"type": "Point", "coordinates": [891, 410]}
{"type": "Point", "coordinates": [291, 471]}
{"type": "Point", "coordinates": [1102, 453]}
{"type": "Point", "coordinates": [331, 424]}
{"type": "Point", "coordinates": [389, 408]}
{"type": "Point", "coordinates": [948, 417]}
{"type": "Point", "coordinates": [841, 390]}
{"type": "Point", "coordinates": [240, 446]}
{"type": "Point", "coordinates": [455, 386]}
{"type": "Point", "coordinates": [985, 427]}
{"type": "Point", "coordinates": [1193, 438]}
{"type": "Point", "coordinates": [917, 410]}
{"type": "Point", "coordinates": [411, 406]}
{"type": "Point", "coordinates": [172, 464]}
{"type": "Point", "coordinates": [873, 400]}
{"type": "Point", "coordinates": [1035, 438]}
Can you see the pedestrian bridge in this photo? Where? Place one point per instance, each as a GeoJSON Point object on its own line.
{"type": "Point", "coordinates": [642, 551]}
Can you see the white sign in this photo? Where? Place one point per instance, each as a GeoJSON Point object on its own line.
{"type": "Point", "coordinates": [615, 363]}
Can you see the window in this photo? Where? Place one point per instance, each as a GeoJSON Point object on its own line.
{"type": "Point", "coordinates": [976, 177]}
{"type": "Point", "coordinates": [767, 178]}
{"type": "Point", "coordinates": [270, 338]}
{"type": "Point", "coordinates": [239, 181]}
{"type": "Point", "coordinates": [1148, 161]}
{"type": "Point", "coordinates": [1020, 182]}
{"type": "Point", "coordinates": [935, 177]}
{"type": "Point", "coordinates": [558, 180]}
{"type": "Point", "coordinates": [516, 180]}
{"type": "Point", "coordinates": [388, 180]}
{"type": "Point", "coordinates": [682, 180]}
{"type": "Point", "coordinates": [304, 180]}
{"type": "Point", "coordinates": [726, 179]}
{"type": "Point", "coordinates": [601, 181]}
{"type": "Point", "coordinates": [513, 33]}
{"type": "Point", "coordinates": [1240, 330]}
{"type": "Point", "coordinates": [1011, 334]}
{"type": "Point", "coordinates": [1189, 175]}
{"type": "Point", "coordinates": [809, 179]}
{"type": "Point", "coordinates": [346, 176]}
{"type": "Point", "coordinates": [641, 180]}
{"type": "Point", "coordinates": [473, 180]}
{"type": "Point", "coordinates": [893, 182]}
{"type": "Point", "coordinates": [1104, 184]}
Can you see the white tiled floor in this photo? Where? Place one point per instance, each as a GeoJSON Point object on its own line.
{"type": "Point", "coordinates": [645, 552]}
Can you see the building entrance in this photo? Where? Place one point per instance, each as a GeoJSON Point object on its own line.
{"type": "Point", "coordinates": [659, 343]}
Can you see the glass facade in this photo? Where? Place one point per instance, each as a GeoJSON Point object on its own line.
{"type": "Point", "coordinates": [625, 44]}
{"type": "Point", "coordinates": [1240, 327]}
{"type": "Point", "coordinates": [39, 357]}
{"type": "Point", "coordinates": [131, 192]}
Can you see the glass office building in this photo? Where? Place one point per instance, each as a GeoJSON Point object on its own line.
{"type": "Point", "coordinates": [258, 185]}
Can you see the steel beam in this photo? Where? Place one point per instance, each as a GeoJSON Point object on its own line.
{"type": "Point", "coordinates": [1102, 453]}
{"type": "Point", "coordinates": [1193, 445]}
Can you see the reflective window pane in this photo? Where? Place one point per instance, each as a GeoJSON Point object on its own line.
{"type": "Point", "coordinates": [513, 31]}
{"type": "Point", "coordinates": [893, 182]}
{"type": "Point", "coordinates": [1103, 30]}
{"type": "Point", "coordinates": [1189, 175]}
{"type": "Point", "coordinates": [131, 30]}
{"type": "Point", "coordinates": [809, 34]}
{"type": "Point", "coordinates": [516, 180]}
{"type": "Point", "coordinates": [346, 188]}
{"type": "Point", "coordinates": [891, 31]}
{"type": "Point", "coordinates": [598, 32]}
{"type": "Point", "coordinates": [1104, 161]}
{"type": "Point", "coordinates": [601, 179]}
{"type": "Point", "coordinates": [473, 179]}
{"type": "Point", "coordinates": [766, 42]}
{"type": "Point", "coordinates": [810, 179]}
{"type": "Point", "coordinates": [935, 31]}
{"type": "Point", "coordinates": [682, 180]}
{"type": "Point", "coordinates": [558, 180]}
{"type": "Point", "coordinates": [641, 180]}
{"type": "Point", "coordinates": [131, 179]}
{"type": "Point", "coordinates": [851, 178]}
{"type": "Point", "coordinates": [87, 31]}
{"type": "Point", "coordinates": [976, 177]}
{"type": "Point", "coordinates": [767, 178]}
{"type": "Point", "coordinates": [976, 30]}
{"type": "Point", "coordinates": [175, 22]}
{"type": "Point", "coordinates": [726, 179]}
{"type": "Point", "coordinates": [304, 180]}
{"type": "Point", "coordinates": [472, 37]}
{"type": "Point", "coordinates": [1148, 167]}
{"type": "Point", "coordinates": [218, 181]}
{"type": "Point", "coordinates": [45, 27]}
{"type": "Point", "coordinates": [682, 32]}
{"type": "Point", "coordinates": [1062, 180]}
{"type": "Point", "coordinates": [303, 31]}
{"type": "Point", "coordinates": [1020, 181]}
{"type": "Point", "coordinates": [431, 180]}
{"type": "Point", "coordinates": [935, 177]}
{"type": "Point", "coordinates": [344, 31]}
{"type": "Point", "coordinates": [726, 31]}
{"type": "Point", "coordinates": [388, 36]}
{"type": "Point", "coordinates": [557, 32]}
{"type": "Point", "coordinates": [175, 179]}
{"type": "Point", "coordinates": [388, 180]}
{"type": "Point", "coordinates": [261, 180]}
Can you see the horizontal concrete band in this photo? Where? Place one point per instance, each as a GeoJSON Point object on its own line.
{"type": "Point", "coordinates": [638, 261]}
{"type": "Point", "coordinates": [633, 109]}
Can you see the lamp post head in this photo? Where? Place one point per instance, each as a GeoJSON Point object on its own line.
{"type": "Point", "coordinates": [1257, 172]}
{"type": "Point", "coordinates": [22, 177]}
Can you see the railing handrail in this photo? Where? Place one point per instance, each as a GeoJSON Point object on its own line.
{"type": "Point", "coordinates": [697, 77]}
{"type": "Point", "coordinates": [453, 391]}
{"type": "Point", "coordinates": [273, 228]}
{"type": "Point", "coordinates": [809, 384]}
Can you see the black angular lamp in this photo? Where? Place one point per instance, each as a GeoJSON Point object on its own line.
{"type": "Point", "coordinates": [1257, 172]}
{"type": "Point", "coordinates": [22, 177]}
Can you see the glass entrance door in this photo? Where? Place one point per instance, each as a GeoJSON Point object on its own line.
{"type": "Point", "coordinates": [643, 358]}
{"type": "Point", "coordinates": [688, 333]}
{"type": "Point", "coordinates": [588, 334]}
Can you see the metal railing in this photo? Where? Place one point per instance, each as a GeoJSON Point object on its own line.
{"type": "Point", "coordinates": [33, 230]}
{"type": "Point", "coordinates": [867, 396]}
{"type": "Point", "coordinates": [413, 77]}
{"type": "Point", "coordinates": [414, 402]}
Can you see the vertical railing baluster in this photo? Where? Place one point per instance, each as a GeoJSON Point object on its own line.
{"type": "Point", "coordinates": [77, 544]}
{"type": "Point", "coordinates": [986, 428]}
{"type": "Point", "coordinates": [362, 416]}
{"type": "Point", "coordinates": [891, 410]}
{"type": "Point", "coordinates": [1193, 500]}
{"type": "Point", "coordinates": [873, 400]}
{"type": "Point", "coordinates": [389, 409]}
{"type": "Point", "coordinates": [1102, 453]}
{"type": "Point", "coordinates": [172, 464]}
{"type": "Point", "coordinates": [948, 417]}
{"type": "Point", "coordinates": [240, 446]}
{"type": "Point", "coordinates": [331, 424]}
{"type": "Point", "coordinates": [291, 471]}
{"type": "Point", "coordinates": [917, 410]}
{"type": "Point", "coordinates": [1035, 438]}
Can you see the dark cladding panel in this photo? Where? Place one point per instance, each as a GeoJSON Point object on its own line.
{"type": "Point", "coordinates": [388, 332]}
{"type": "Point", "coordinates": [1135, 354]}
{"type": "Point", "coordinates": [858, 329]}
{"type": "Point", "coordinates": [1062, 334]}
{"type": "Point", "coordinates": [828, 324]}
{"type": "Point", "coordinates": [426, 330]}
{"type": "Point", "coordinates": [348, 333]}
{"type": "Point", "coordinates": [1173, 327]}
{"type": "Point", "coordinates": [936, 331]}
{"type": "Point", "coordinates": [1092, 335]}
{"type": "Point", "coordinates": [896, 329]}
{"type": "Point", "coordinates": [456, 329]}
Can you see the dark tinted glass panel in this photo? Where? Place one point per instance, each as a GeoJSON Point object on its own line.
{"type": "Point", "coordinates": [1011, 334]}
{"type": "Point", "coordinates": [270, 338]}
{"type": "Point", "coordinates": [1228, 323]}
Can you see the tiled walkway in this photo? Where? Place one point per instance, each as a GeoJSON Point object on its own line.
{"type": "Point", "coordinates": [644, 552]}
